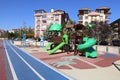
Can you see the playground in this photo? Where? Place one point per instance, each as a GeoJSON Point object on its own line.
{"type": "Point", "coordinates": [74, 54]}
{"type": "Point", "coordinates": [105, 66]}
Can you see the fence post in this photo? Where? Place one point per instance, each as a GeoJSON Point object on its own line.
{"type": "Point", "coordinates": [106, 48]}
{"type": "Point", "coordinates": [119, 50]}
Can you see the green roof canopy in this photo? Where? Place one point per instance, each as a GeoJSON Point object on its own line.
{"type": "Point", "coordinates": [55, 27]}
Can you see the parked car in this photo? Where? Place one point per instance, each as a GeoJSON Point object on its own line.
{"type": "Point", "coordinates": [103, 43]}
{"type": "Point", "coordinates": [116, 42]}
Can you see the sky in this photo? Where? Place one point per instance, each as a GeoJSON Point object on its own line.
{"type": "Point", "coordinates": [17, 13]}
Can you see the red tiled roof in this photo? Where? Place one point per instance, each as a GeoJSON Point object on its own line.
{"type": "Point", "coordinates": [93, 13]}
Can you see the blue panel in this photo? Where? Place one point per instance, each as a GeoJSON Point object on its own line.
{"type": "Point", "coordinates": [45, 71]}
{"type": "Point", "coordinates": [22, 71]}
{"type": "Point", "coordinates": [25, 73]}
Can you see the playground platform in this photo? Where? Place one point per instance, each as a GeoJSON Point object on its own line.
{"type": "Point", "coordinates": [105, 67]}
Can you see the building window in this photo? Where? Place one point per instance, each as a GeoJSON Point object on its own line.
{"type": "Point", "coordinates": [37, 31]}
{"type": "Point", "coordinates": [38, 17]}
{"type": "Point", "coordinates": [86, 17]}
{"type": "Point", "coordinates": [101, 18]}
{"type": "Point", "coordinates": [56, 19]}
{"type": "Point", "coordinates": [80, 17]}
{"type": "Point", "coordinates": [38, 26]}
{"type": "Point", "coordinates": [106, 17]}
{"type": "Point", "coordinates": [86, 22]}
{"type": "Point", "coordinates": [102, 11]}
{"type": "Point", "coordinates": [44, 21]}
{"type": "Point", "coordinates": [49, 21]}
{"type": "Point", "coordinates": [38, 21]}
{"type": "Point", "coordinates": [44, 16]}
{"type": "Point", "coordinates": [57, 22]}
{"type": "Point", "coordinates": [85, 12]}
{"type": "Point", "coordinates": [44, 27]}
{"type": "Point", "coordinates": [94, 22]}
{"type": "Point", "coordinates": [49, 16]}
{"type": "Point", "coordinates": [57, 16]}
{"type": "Point", "coordinates": [81, 22]}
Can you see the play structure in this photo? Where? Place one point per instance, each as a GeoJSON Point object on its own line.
{"type": "Point", "coordinates": [87, 47]}
{"type": "Point", "coordinates": [88, 43]}
{"type": "Point", "coordinates": [58, 41]}
{"type": "Point", "coordinates": [77, 38]}
{"type": "Point", "coordinates": [83, 40]}
{"type": "Point", "coordinates": [24, 40]}
{"type": "Point", "coordinates": [42, 41]}
{"type": "Point", "coordinates": [60, 45]}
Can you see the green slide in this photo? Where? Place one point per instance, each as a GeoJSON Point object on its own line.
{"type": "Point", "coordinates": [64, 41]}
{"type": "Point", "coordinates": [47, 46]}
{"type": "Point", "coordinates": [56, 48]}
{"type": "Point", "coordinates": [87, 47]}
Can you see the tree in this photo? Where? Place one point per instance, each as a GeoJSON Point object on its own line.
{"type": "Point", "coordinates": [101, 31]}
{"type": "Point", "coordinates": [47, 34]}
{"type": "Point", "coordinates": [69, 23]}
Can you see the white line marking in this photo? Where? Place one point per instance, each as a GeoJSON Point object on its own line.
{"type": "Point", "coordinates": [28, 64]}
{"type": "Point", "coordinates": [10, 64]}
{"type": "Point", "coordinates": [88, 63]}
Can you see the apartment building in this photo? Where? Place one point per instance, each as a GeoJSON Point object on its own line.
{"type": "Point", "coordinates": [87, 15]}
{"type": "Point", "coordinates": [115, 25]}
{"type": "Point", "coordinates": [44, 19]}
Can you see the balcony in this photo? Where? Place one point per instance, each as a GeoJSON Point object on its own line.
{"type": "Point", "coordinates": [43, 28]}
{"type": "Point", "coordinates": [80, 20]}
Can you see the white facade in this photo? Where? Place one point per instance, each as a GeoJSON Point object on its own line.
{"type": "Point", "coordinates": [87, 16]}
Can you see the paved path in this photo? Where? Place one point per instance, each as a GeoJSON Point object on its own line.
{"type": "Point", "coordinates": [2, 62]}
{"type": "Point", "coordinates": [25, 67]}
